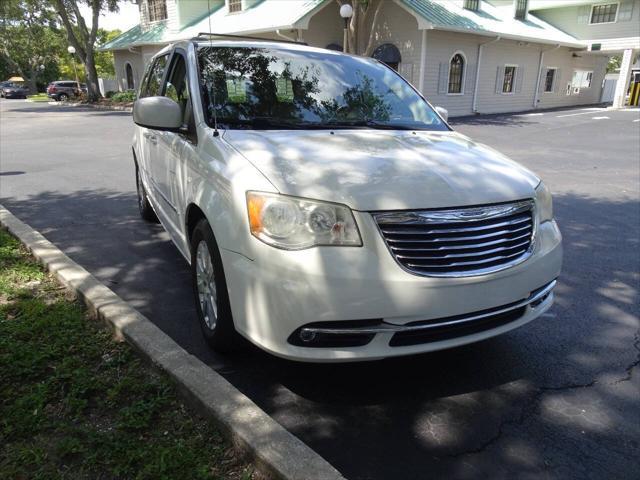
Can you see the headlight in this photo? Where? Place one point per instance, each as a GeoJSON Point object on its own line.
{"type": "Point", "coordinates": [294, 223]}
{"type": "Point", "coordinates": [544, 203]}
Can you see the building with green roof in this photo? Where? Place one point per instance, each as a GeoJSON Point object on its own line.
{"type": "Point", "coordinates": [469, 56]}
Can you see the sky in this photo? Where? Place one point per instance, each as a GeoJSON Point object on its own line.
{"type": "Point", "coordinates": [126, 18]}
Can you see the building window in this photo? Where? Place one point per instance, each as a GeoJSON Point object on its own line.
{"type": "Point", "coordinates": [581, 79]}
{"type": "Point", "coordinates": [521, 9]}
{"type": "Point", "coordinates": [472, 5]}
{"type": "Point", "coordinates": [604, 13]}
{"type": "Point", "coordinates": [157, 10]}
{"type": "Point", "coordinates": [389, 54]}
{"type": "Point", "coordinates": [549, 79]}
{"type": "Point", "coordinates": [234, 5]}
{"type": "Point", "coordinates": [129, 75]}
{"type": "Point", "coordinates": [509, 79]}
{"type": "Point", "coordinates": [456, 71]}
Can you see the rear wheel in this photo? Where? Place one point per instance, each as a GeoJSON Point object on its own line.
{"type": "Point", "coordinates": [210, 291]}
{"type": "Point", "coordinates": [63, 97]}
{"type": "Point", "coordinates": [145, 208]}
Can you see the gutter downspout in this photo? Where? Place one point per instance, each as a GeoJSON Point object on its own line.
{"type": "Point", "coordinates": [474, 107]}
{"type": "Point", "coordinates": [423, 62]}
{"type": "Point", "coordinates": [536, 96]}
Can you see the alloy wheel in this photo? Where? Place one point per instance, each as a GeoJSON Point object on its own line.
{"type": "Point", "coordinates": [206, 285]}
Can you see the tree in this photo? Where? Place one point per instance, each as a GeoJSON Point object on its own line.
{"type": "Point", "coordinates": [366, 15]}
{"type": "Point", "coordinates": [29, 40]}
{"type": "Point", "coordinates": [83, 38]}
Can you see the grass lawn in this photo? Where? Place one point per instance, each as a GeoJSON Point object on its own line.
{"type": "Point", "coordinates": [76, 404]}
{"type": "Point", "coordinates": [39, 97]}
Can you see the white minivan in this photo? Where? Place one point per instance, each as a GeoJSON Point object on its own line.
{"type": "Point", "coordinates": [328, 212]}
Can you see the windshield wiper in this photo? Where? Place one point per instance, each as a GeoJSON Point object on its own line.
{"type": "Point", "coordinates": [368, 124]}
{"type": "Point", "coordinates": [266, 123]}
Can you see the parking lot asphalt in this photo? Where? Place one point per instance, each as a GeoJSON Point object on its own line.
{"type": "Point", "coordinates": [557, 398]}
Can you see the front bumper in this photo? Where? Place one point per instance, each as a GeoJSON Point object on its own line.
{"type": "Point", "coordinates": [279, 293]}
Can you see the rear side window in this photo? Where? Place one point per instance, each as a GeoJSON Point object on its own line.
{"type": "Point", "coordinates": [154, 82]}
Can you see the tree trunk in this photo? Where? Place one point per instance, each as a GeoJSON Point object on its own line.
{"type": "Point", "coordinates": [93, 89]}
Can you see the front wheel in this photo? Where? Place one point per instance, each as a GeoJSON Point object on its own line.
{"type": "Point", "coordinates": [210, 291]}
{"type": "Point", "coordinates": [145, 208]}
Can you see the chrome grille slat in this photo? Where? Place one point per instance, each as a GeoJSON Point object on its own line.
{"type": "Point", "coordinates": [457, 230]}
{"type": "Point", "coordinates": [472, 237]}
{"type": "Point", "coordinates": [464, 255]}
{"type": "Point", "coordinates": [475, 262]}
{"type": "Point", "coordinates": [459, 242]}
{"type": "Point", "coordinates": [453, 247]}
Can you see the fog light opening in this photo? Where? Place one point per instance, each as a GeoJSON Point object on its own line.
{"type": "Point", "coordinates": [307, 335]}
{"type": "Point", "coordinates": [539, 301]}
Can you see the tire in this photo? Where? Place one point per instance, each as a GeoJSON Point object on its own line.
{"type": "Point", "coordinates": [210, 291]}
{"type": "Point", "coordinates": [144, 207]}
{"type": "Point", "coordinates": [63, 97]}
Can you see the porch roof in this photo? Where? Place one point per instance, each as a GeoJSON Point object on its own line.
{"type": "Point", "coordinates": [489, 20]}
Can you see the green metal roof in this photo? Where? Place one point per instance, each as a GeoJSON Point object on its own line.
{"type": "Point", "coordinates": [447, 15]}
{"type": "Point", "coordinates": [137, 36]}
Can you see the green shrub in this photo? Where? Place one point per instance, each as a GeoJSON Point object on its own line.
{"type": "Point", "coordinates": [124, 97]}
{"type": "Point", "coordinates": [109, 94]}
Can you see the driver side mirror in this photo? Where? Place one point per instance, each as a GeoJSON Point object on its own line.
{"type": "Point", "coordinates": [157, 113]}
{"type": "Point", "coordinates": [443, 112]}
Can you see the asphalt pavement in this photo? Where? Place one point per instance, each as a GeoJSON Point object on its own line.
{"type": "Point", "coordinates": [557, 398]}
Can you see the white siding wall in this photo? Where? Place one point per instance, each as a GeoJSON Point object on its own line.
{"type": "Point", "coordinates": [325, 27]}
{"type": "Point", "coordinates": [138, 61]}
{"type": "Point", "coordinates": [566, 63]}
{"type": "Point", "coordinates": [575, 21]}
{"type": "Point", "coordinates": [120, 59]}
{"type": "Point", "coordinates": [441, 46]}
{"type": "Point", "coordinates": [400, 28]}
{"type": "Point", "coordinates": [495, 57]}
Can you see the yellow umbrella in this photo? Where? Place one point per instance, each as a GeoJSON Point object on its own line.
{"type": "Point", "coordinates": [16, 79]}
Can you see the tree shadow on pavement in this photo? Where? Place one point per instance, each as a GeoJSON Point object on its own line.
{"type": "Point", "coordinates": [556, 398]}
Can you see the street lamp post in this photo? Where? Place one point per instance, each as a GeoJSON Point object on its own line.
{"type": "Point", "coordinates": [71, 49]}
{"type": "Point", "coordinates": [346, 12]}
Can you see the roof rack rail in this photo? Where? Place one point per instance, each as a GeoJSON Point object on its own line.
{"type": "Point", "coordinates": [203, 35]}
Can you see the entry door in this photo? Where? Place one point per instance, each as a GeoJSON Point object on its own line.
{"type": "Point", "coordinates": [608, 90]}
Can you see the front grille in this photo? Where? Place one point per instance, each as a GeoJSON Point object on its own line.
{"type": "Point", "coordinates": [459, 242]}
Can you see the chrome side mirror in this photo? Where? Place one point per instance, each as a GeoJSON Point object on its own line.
{"type": "Point", "coordinates": [157, 113]}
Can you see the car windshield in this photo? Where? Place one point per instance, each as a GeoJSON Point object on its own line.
{"type": "Point", "coordinates": [262, 88]}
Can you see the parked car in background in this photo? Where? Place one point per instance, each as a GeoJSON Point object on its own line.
{"type": "Point", "coordinates": [13, 90]}
{"type": "Point", "coordinates": [63, 90]}
{"type": "Point", "coordinates": [328, 211]}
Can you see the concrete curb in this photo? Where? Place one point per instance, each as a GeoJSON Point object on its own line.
{"type": "Point", "coordinates": [276, 452]}
{"type": "Point", "coordinates": [116, 108]}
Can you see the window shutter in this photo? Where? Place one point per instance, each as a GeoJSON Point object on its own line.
{"type": "Point", "coordinates": [583, 14]}
{"type": "Point", "coordinates": [470, 78]}
{"type": "Point", "coordinates": [556, 80]}
{"type": "Point", "coordinates": [625, 13]}
{"type": "Point", "coordinates": [519, 79]}
{"type": "Point", "coordinates": [443, 78]}
{"type": "Point", "coordinates": [499, 79]}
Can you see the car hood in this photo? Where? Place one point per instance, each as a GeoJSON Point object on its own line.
{"type": "Point", "coordinates": [384, 170]}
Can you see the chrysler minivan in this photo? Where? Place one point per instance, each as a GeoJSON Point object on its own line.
{"type": "Point", "coordinates": [328, 212]}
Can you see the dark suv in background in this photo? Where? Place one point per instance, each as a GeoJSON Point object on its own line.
{"type": "Point", "coordinates": [64, 90]}
{"type": "Point", "coordinates": [13, 90]}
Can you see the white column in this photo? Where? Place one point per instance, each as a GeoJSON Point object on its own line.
{"type": "Point", "coordinates": [623, 79]}
{"type": "Point", "coordinates": [423, 62]}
